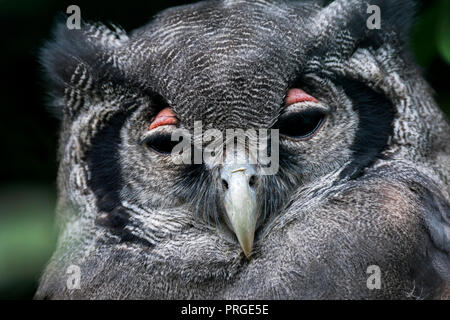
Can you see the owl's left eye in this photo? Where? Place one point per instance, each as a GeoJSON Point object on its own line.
{"type": "Point", "coordinates": [300, 124]}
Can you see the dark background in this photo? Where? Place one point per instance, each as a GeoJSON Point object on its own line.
{"type": "Point", "coordinates": [29, 133]}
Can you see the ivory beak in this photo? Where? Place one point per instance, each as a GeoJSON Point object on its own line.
{"type": "Point", "coordinates": [240, 204]}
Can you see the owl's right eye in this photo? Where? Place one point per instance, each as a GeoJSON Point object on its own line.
{"type": "Point", "coordinates": [161, 143]}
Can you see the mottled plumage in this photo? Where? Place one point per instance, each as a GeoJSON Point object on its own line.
{"type": "Point", "coordinates": [371, 187]}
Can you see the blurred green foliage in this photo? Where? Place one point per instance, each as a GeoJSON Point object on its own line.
{"type": "Point", "coordinates": [430, 35]}
{"type": "Point", "coordinates": [29, 133]}
{"type": "Point", "coordinates": [430, 43]}
{"type": "Point", "coordinates": [27, 237]}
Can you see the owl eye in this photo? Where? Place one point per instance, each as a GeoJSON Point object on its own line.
{"type": "Point", "coordinates": [161, 143]}
{"type": "Point", "coordinates": [300, 124]}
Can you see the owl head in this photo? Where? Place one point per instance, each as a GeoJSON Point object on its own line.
{"type": "Point", "coordinates": [339, 95]}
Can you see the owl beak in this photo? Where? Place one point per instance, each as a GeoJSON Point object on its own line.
{"type": "Point", "coordinates": [240, 203]}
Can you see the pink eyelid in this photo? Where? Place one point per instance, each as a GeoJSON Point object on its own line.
{"type": "Point", "coordinates": [165, 117]}
{"type": "Point", "coordinates": [298, 95]}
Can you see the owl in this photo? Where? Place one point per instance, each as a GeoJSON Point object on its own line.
{"type": "Point", "coordinates": [358, 203]}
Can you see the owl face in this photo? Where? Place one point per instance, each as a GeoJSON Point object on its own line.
{"type": "Point", "coordinates": [359, 146]}
{"type": "Point", "coordinates": [227, 66]}
{"type": "Point", "coordinates": [225, 70]}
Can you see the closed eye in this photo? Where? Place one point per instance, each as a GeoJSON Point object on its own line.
{"type": "Point", "coordinates": [300, 124]}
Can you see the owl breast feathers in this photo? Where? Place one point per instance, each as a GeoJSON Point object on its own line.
{"type": "Point", "coordinates": [356, 156]}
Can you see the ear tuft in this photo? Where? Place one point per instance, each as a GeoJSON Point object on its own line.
{"type": "Point", "coordinates": [76, 58]}
{"type": "Point", "coordinates": [396, 18]}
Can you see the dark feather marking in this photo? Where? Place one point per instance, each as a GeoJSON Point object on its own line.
{"type": "Point", "coordinates": [376, 114]}
{"type": "Point", "coordinates": [106, 179]}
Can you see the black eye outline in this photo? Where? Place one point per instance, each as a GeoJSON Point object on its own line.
{"type": "Point", "coordinates": [160, 143]}
{"type": "Point", "coordinates": [301, 125]}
